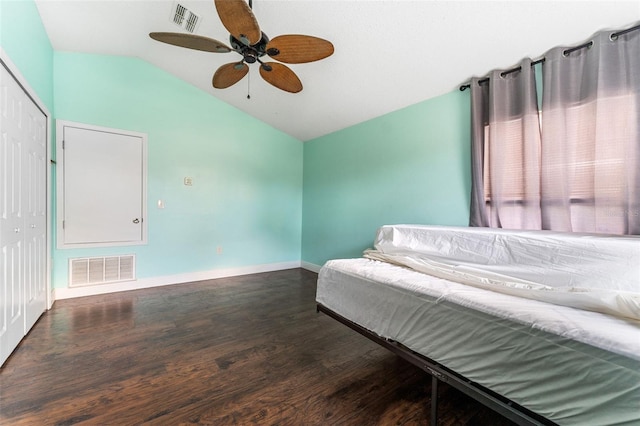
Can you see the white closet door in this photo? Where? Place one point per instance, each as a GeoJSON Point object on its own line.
{"type": "Point", "coordinates": [11, 215]}
{"type": "Point", "coordinates": [35, 214]}
{"type": "Point", "coordinates": [22, 213]}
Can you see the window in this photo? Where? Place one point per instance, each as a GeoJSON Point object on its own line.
{"type": "Point", "coordinates": [593, 160]}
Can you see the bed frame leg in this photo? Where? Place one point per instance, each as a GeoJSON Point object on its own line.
{"type": "Point", "coordinates": [434, 401]}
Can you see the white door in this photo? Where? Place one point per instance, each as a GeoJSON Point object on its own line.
{"type": "Point", "coordinates": [22, 213]}
{"type": "Point", "coordinates": [103, 186]}
{"type": "Point", "coordinates": [11, 215]}
{"type": "Point", "coordinates": [35, 214]}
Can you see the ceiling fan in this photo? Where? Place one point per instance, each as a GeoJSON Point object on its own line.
{"type": "Point", "coordinates": [248, 40]}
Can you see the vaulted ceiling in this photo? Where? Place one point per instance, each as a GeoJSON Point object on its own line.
{"type": "Point", "coordinates": [388, 54]}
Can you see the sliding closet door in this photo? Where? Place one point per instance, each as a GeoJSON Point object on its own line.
{"type": "Point", "coordinates": [23, 213]}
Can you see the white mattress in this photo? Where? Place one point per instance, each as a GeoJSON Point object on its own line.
{"type": "Point", "coordinates": [569, 365]}
{"type": "Point", "coordinates": [595, 272]}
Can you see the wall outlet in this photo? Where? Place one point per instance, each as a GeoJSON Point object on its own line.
{"type": "Point", "coordinates": [219, 249]}
{"type": "Point", "coordinates": [188, 181]}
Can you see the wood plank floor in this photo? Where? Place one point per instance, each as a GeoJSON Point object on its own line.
{"type": "Point", "coordinates": [235, 351]}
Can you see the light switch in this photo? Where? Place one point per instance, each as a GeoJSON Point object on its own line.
{"type": "Point", "coordinates": [188, 181]}
{"type": "Point", "coordinates": [160, 204]}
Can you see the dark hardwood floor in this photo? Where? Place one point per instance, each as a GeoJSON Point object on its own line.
{"type": "Point", "coordinates": [244, 350]}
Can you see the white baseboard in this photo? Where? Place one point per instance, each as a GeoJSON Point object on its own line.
{"type": "Point", "coordinates": [310, 266]}
{"type": "Point", "coordinates": [68, 293]}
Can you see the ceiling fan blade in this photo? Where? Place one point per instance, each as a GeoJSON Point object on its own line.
{"type": "Point", "coordinates": [229, 74]}
{"type": "Point", "coordinates": [280, 76]}
{"type": "Point", "coordinates": [191, 41]}
{"type": "Point", "coordinates": [297, 49]}
{"type": "Point", "coordinates": [239, 20]}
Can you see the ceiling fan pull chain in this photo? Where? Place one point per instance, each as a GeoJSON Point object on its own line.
{"type": "Point", "coordinates": [248, 85]}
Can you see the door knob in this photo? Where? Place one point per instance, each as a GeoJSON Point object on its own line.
{"type": "Point", "coordinates": [16, 230]}
{"type": "Point", "coordinates": [136, 220]}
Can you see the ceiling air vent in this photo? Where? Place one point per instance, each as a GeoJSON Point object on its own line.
{"type": "Point", "coordinates": [184, 18]}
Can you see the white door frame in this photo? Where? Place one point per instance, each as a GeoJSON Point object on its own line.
{"type": "Point", "coordinates": [13, 69]}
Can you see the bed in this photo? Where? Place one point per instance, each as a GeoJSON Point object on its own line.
{"type": "Point", "coordinates": [543, 327]}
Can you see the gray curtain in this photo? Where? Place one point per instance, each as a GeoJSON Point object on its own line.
{"type": "Point", "coordinates": [479, 119]}
{"type": "Point", "coordinates": [591, 136]}
{"type": "Point", "coordinates": [506, 150]}
{"type": "Point", "coordinates": [575, 166]}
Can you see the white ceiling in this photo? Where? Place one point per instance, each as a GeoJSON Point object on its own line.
{"type": "Point", "coordinates": [388, 54]}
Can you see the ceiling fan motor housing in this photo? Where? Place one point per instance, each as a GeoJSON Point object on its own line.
{"type": "Point", "coordinates": [250, 53]}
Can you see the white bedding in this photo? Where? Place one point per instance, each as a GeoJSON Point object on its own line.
{"type": "Point", "coordinates": [587, 271]}
{"type": "Point", "coordinates": [573, 366]}
{"type": "Point", "coordinates": [569, 365]}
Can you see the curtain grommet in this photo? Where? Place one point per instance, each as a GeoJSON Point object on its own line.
{"type": "Point", "coordinates": [566, 52]}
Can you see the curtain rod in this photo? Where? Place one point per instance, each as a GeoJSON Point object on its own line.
{"type": "Point", "coordinates": [613, 36]}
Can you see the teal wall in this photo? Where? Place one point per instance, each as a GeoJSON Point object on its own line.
{"type": "Point", "coordinates": [409, 166]}
{"type": "Point", "coordinates": [24, 39]}
{"type": "Point", "coordinates": [247, 190]}
{"type": "Point", "coordinates": [249, 197]}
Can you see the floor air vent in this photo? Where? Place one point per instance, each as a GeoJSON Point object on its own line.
{"type": "Point", "coordinates": [184, 18]}
{"type": "Point", "coordinates": [101, 270]}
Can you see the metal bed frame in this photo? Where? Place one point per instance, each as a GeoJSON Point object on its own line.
{"type": "Point", "coordinates": [439, 373]}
